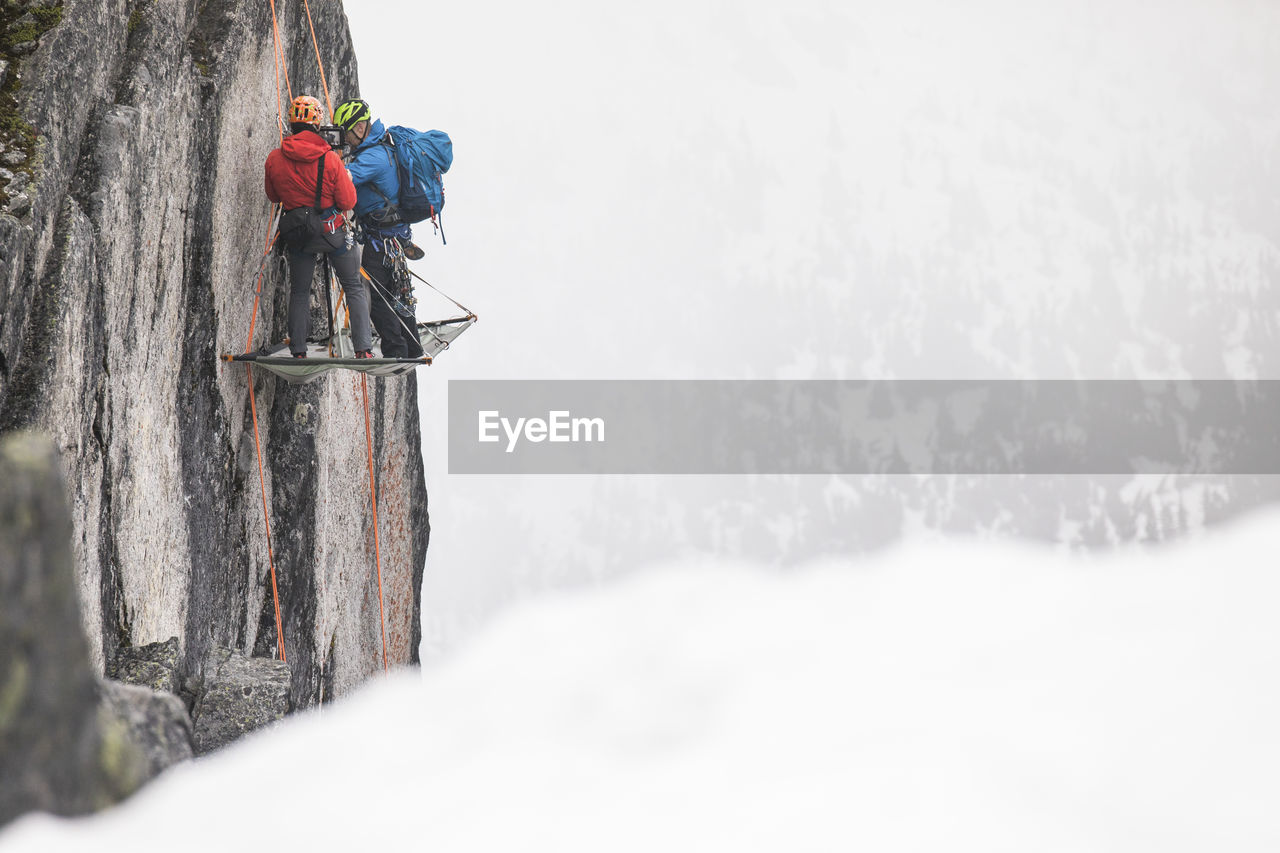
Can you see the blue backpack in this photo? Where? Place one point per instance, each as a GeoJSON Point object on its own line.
{"type": "Point", "coordinates": [420, 158]}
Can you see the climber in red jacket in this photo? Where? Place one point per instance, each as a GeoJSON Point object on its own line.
{"type": "Point", "coordinates": [304, 174]}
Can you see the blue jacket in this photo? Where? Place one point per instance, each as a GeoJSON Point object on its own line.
{"type": "Point", "coordinates": [373, 165]}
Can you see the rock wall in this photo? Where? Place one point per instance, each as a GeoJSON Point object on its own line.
{"type": "Point", "coordinates": [131, 271]}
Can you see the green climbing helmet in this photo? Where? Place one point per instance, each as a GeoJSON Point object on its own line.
{"type": "Point", "coordinates": [350, 113]}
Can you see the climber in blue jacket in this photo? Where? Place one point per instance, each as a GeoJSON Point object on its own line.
{"type": "Point", "coordinates": [387, 240]}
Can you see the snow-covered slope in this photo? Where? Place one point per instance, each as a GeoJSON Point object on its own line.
{"type": "Point", "coordinates": [947, 696]}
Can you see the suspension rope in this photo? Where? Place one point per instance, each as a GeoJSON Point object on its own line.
{"type": "Point", "coordinates": [373, 493]}
{"type": "Point", "coordinates": [341, 318]}
{"type": "Point", "coordinates": [439, 291]}
{"type": "Point", "coordinates": [373, 489]}
{"type": "Point", "coordinates": [257, 439]}
{"type": "Point", "coordinates": [272, 233]}
{"type": "Point", "coordinates": [275, 25]}
{"type": "Point", "coordinates": [323, 82]}
{"type": "Point", "coordinates": [390, 301]}
{"type": "Point", "coordinates": [262, 269]}
{"type": "Point", "coordinates": [325, 607]}
{"type": "Point", "coordinates": [266, 518]}
{"type": "Point", "coordinates": [253, 320]}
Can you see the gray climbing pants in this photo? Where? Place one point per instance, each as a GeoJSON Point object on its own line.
{"type": "Point", "coordinates": [346, 263]}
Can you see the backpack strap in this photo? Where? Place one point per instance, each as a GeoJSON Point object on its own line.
{"type": "Point", "coordinates": [320, 180]}
{"type": "Point", "coordinates": [390, 209]}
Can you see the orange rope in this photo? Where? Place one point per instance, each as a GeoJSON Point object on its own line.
{"type": "Point", "coordinates": [266, 519]}
{"type": "Point", "coordinates": [373, 492]}
{"type": "Point", "coordinates": [332, 283]}
{"type": "Point", "coordinates": [323, 82]}
{"type": "Point", "coordinates": [275, 23]}
{"type": "Point", "coordinates": [262, 269]}
{"type": "Point", "coordinates": [364, 384]}
{"type": "Point", "coordinates": [253, 320]}
{"type": "Point", "coordinates": [279, 103]}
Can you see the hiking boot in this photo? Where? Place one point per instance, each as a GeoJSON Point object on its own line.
{"type": "Point", "coordinates": [364, 353]}
{"type": "Point", "coordinates": [299, 355]}
{"type": "Point", "coordinates": [412, 250]}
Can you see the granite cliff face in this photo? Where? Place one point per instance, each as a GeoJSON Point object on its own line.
{"type": "Point", "coordinates": [128, 266]}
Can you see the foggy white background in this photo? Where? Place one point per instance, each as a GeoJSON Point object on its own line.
{"type": "Point", "coordinates": [830, 190]}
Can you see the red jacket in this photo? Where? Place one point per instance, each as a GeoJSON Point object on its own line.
{"type": "Point", "coordinates": [291, 174]}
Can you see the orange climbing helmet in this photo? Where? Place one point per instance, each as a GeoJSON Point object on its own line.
{"type": "Point", "coordinates": [305, 109]}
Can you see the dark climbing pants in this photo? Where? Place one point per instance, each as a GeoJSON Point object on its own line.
{"type": "Point", "coordinates": [399, 331]}
{"type": "Point", "coordinates": [346, 263]}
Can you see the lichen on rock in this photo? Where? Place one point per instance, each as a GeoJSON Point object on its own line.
{"type": "Point", "coordinates": [154, 666]}
{"type": "Point", "coordinates": [156, 724]}
{"type": "Point", "coordinates": [239, 695]}
{"type": "Point", "coordinates": [22, 24]}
